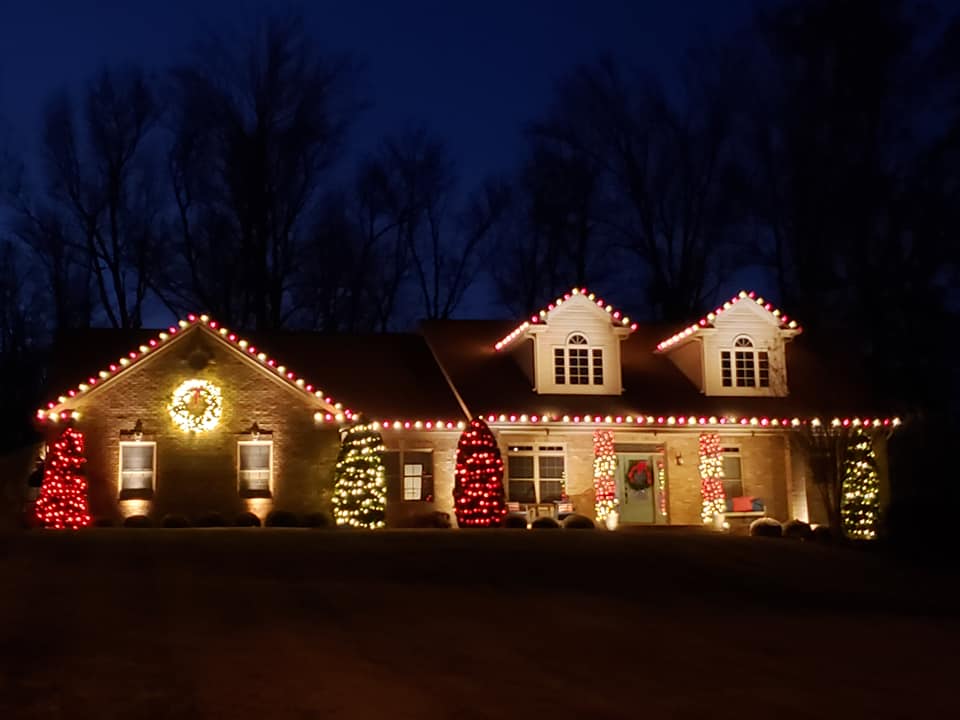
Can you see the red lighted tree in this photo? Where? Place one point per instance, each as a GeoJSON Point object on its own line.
{"type": "Point", "coordinates": [478, 498]}
{"type": "Point", "coordinates": [63, 496]}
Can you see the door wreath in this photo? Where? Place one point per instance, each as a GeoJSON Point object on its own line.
{"type": "Point", "coordinates": [639, 475]}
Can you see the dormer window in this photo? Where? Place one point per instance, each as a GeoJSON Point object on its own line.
{"type": "Point", "coordinates": [577, 363]}
{"type": "Point", "coordinates": [744, 366]}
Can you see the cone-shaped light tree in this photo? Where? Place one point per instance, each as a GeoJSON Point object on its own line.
{"type": "Point", "coordinates": [478, 499]}
{"type": "Point", "coordinates": [860, 501]}
{"type": "Point", "coordinates": [63, 496]}
{"type": "Point", "coordinates": [360, 488]}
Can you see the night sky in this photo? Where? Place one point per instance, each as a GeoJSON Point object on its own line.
{"type": "Point", "coordinates": [472, 72]}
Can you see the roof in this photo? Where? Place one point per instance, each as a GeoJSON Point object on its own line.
{"type": "Point", "coordinates": [784, 321]}
{"type": "Point", "coordinates": [616, 316]}
{"type": "Point", "coordinates": [383, 376]}
{"type": "Point", "coordinates": [493, 383]}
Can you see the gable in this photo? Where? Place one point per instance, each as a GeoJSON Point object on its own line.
{"type": "Point", "coordinates": [195, 332]}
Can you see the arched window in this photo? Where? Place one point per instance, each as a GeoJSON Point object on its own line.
{"type": "Point", "coordinates": [576, 363]}
{"type": "Point", "coordinates": [744, 366]}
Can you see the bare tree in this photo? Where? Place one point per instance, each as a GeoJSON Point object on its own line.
{"type": "Point", "coordinates": [256, 122]}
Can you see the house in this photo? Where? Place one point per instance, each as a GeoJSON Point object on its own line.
{"type": "Point", "coordinates": [198, 418]}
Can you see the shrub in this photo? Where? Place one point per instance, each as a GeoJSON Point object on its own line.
{"type": "Point", "coordinates": [822, 534]}
{"type": "Point", "coordinates": [246, 519]}
{"type": "Point", "coordinates": [766, 527]}
{"type": "Point", "coordinates": [318, 520]}
{"type": "Point", "coordinates": [544, 523]}
{"type": "Point", "coordinates": [172, 520]}
{"type": "Point", "coordinates": [103, 522]}
{"type": "Point", "coordinates": [578, 522]}
{"type": "Point", "coordinates": [432, 519]}
{"type": "Point", "coordinates": [210, 519]}
{"type": "Point", "coordinates": [797, 529]}
{"type": "Point", "coordinates": [281, 518]}
{"type": "Point", "coordinates": [515, 521]}
{"type": "Point", "coordinates": [137, 521]}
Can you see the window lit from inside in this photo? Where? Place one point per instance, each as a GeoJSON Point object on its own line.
{"type": "Point", "coordinates": [577, 363]}
{"type": "Point", "coordinates": [412, 471]}
{"type": "Point", "coordinates": [255, 467]}
{"type": "Point", "coordinates": [744, 366]}
{"type": "Point", "coordinates": [137, 469]}
{"type": "Point", "coordinates": [536, 473]}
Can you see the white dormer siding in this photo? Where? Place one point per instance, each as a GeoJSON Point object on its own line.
{"type": "Point", "coordinates": [744, 354]}
{"type": "Point", "coordinates": [577, 350]}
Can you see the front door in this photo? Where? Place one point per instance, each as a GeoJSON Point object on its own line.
{"type": "Point", "coordinates": [641, 487]}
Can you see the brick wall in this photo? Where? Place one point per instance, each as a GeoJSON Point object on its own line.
{"type": "Point", "coordinates": [197, 473]}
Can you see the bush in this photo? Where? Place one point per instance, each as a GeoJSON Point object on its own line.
{"type": "Point", "coordinates": [173, 520]}
{"type": "Point", "coordinates": [103, 522]}
{"type": "Point", "coordinates": [797, 530]}
{"type": "Point", "coordinates": [137, 521]}
{"type": "Point", "coordinates": [578, 522]}
{"type": "Point", "coordinates": [515, 521]}
{"type": "Point", "coordinates": [246, 519]}
{"type": "Point", "coordinates": [766, 527]}
{"type": "Point", "coordinates": [544, 523]}
{"type": "Point", "coordinates": [433, 519]}
{"type": "Point", "coordinates": [210, 519]}
{"type": "Point", "coordinates": [318, 520]}
{"type": "Point", "coordinates": [282, 518]}
{"type": "Point", "coordinates": [822, 534]}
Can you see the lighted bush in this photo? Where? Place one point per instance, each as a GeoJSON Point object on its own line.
{"type": "Point", "coordinates": [137, 521]}
{"type": "Point", "coordinates": [797, 530]}
{"type": "Point", "coordinates": [173, 520]}
{"type": "Point", "coordinates": [319, 520]}
{"type": "Point", "coordinates": [246, 519]}
{"type": "Point", "coordinates": [282, 519]}
{"type": "Point", "coordinates": [211, 519]}
{"type": "Point", "coordinates": [515, 521]}
{"type": "Point", "coordinates": [578, 522]}
{"type": "Point", "coordinates": [544, 523]}
{"type": "Point", "coordinates": [766, 527]}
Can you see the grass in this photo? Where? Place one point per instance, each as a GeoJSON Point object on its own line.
{"type": "Point", "coordinates": [275, 623]}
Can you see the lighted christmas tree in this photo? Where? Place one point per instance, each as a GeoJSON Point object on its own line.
{"type": "Point", "coordinates": [478, 499]}
{"type": "Point", "coordinates": [63, 496]}
{"type": "Point", "coordinates": [711, 470]}
{"type": "Point", "coordinates": [604, 476]}
{"type": "Point", "coordinates": [860, 501]}
{"type": "Point", "coordinates": [360, 488]}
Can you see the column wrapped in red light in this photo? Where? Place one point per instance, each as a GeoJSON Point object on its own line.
{"type": "Point", "coordinates": [63, 504]}
{"type": "Point", "coordinates": [711, 470]}
{"type": "Point", "coordinates": [478, 498]}
{"type": "Point", "coordinates": [604, 475]}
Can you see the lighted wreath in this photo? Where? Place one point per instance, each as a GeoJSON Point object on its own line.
{"type": "Point", "coordinates": [196, 406]}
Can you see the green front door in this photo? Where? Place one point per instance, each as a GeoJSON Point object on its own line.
{"type": "Point", "coordinates": [641, 488]}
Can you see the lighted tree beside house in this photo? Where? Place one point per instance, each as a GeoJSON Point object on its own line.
{"type": "Point", "coordinates": [478, 498]}
{"type": "Point", "coordinates": [63, 504]}
{"type": "Point", "coordinates": [360, 488]}
{"type": "Point", "coordinates": [860, 499]}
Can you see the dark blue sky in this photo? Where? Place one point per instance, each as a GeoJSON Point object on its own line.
{"type": "Point", "coordinates": [473, 72]}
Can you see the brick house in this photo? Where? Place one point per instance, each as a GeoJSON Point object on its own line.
{"type": "Point", "coordinates": [271, 406]}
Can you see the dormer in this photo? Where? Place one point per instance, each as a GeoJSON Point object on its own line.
{"type": "Point", "coordinates": [576, 346]}
{"type": "Point", "coordinates": [737, 350]}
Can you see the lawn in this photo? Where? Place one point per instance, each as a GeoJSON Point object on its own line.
{"type": "Point", "coordinates": [258, 623]}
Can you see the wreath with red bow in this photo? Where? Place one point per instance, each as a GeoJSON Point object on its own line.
{"type": "Point", "coordinates": [639, 475]}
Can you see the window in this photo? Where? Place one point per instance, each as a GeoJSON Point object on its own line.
{"type": "Point", "coordinates": [577, 363]}
{"type": "Point", "coordinates": [410, 474]}
{"type": "Point", "coordinates": [732, 473]}
{"type": "Point", "coordinates": [744, 366]}
{"type": "Point", "coordinates": [536, 473]}
{"type": "Point", "coordinates": [137, 469]}
{"type": "Point", "coordinates": [255, 467]}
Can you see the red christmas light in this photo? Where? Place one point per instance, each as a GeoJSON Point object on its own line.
{"type": "Point", "coordinates": [63, 495]}
{"type": "Point", "coordinates": [478, 497]}
{"type": "Point", "coordinates": [711, 470]}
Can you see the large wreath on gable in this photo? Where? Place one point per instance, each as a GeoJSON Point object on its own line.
{"type": "Point", "coordinates": [639, 475]}
{"type": "Point", "coordinates": [196, 406]}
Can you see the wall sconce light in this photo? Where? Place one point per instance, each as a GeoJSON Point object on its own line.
{"type": "Point", "coordinates": [138, 430]}
{"type": "Point", "coordinates": [255, 431]}
{"type": "Point", "coordinates": [678, 458]}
